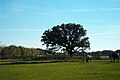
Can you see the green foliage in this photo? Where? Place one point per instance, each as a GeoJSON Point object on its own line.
{"type": "Point", "coordinates": [69, 37]}
{"type": "Point", "coordinates": [13, 51]}
{"type": "Point", "coordinates": [96, 70]}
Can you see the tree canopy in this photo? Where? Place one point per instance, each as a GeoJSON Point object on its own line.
{"type": "Point", "coordinates": [69, 37]}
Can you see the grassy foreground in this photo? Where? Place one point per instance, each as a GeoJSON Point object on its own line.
{"type": "Point", "coordinates": [96, 70]}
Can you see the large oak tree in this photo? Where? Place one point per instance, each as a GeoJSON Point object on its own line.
{"type": "Point", "coordinates": [69, 37]}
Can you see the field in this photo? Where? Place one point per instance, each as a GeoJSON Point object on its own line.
{"type": "Point", "coordinates": [97, 70]}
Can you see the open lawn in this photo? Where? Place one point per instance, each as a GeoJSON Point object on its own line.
{"type": "Point", "coordinates": [97, 70]}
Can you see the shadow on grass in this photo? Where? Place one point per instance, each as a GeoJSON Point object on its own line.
{"type": "Point", "coordinates": [106, 61]}
{"type": "Point", "coordinates": [36, 62]}
{"type": "Point", "coordinates": [55, 61]}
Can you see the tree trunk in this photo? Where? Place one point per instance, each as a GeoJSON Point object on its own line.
{"type": "Point", "coordinates": [83, 57]}
{"type": "Point", "coordinates": [70, 52]}
{"type": "Point", "coordinates": [83, 53]}
{"type": "Point", "coordinates": [64, 55]}
{"type": "Point", "coordinates": [71, 55]}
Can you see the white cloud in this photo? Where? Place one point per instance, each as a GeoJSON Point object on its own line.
{"type": "Point", "coordinates": [110, 9]}
{"type": "Point", "coordinates": [16, 6]}
{"type": "Point", "coordinates": [81, 10]}
{"type": "Point", "coordinates": [93, 20]}
{"type": "Point", "coordinates": [5, 30]}
{"type": "Point", "coordinates": [117, 4]}
{"type": "Point", "coordinates": [91, 10]}
{"type": "Point", "coordinates": [61, 12]}
{"type": "Point", "coordinates": [104, 34]}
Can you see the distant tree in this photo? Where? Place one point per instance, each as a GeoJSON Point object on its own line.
{"type": "Point", "coordinates": [118, 51]}
{"type": "Point", "coordinates": [13, 50]}
{"type": "Point", "coordinates": [5, 53]}
{"type": "Point", "coordinates": [69, 37]}
{"type": "Point", "coordinates": [1, 49]}
{"type": "Point", "coordinates": [107, 52]}
{"type": "Point", "coordinates": [22, 51]}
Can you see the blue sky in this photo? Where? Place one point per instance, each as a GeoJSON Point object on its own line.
{"type": "Point", "coordinates": [22, 22]}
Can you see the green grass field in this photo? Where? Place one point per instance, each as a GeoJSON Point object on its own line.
{"type": "Point", "coordinates": [97, 70]}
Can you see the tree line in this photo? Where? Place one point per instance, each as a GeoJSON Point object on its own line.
{"type": "Point", "coordinates": [14, 51]}
{"type": "Point", "coordinates": [105, 54]}
{"type": "Point", "coordinates": [20, 52]}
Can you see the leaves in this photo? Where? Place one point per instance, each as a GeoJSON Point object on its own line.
{"type": "Point", "coordinates": [67, 37]}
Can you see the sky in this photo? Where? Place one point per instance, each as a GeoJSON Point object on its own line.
{"type": "Point", "coordinates": [22, 22]}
